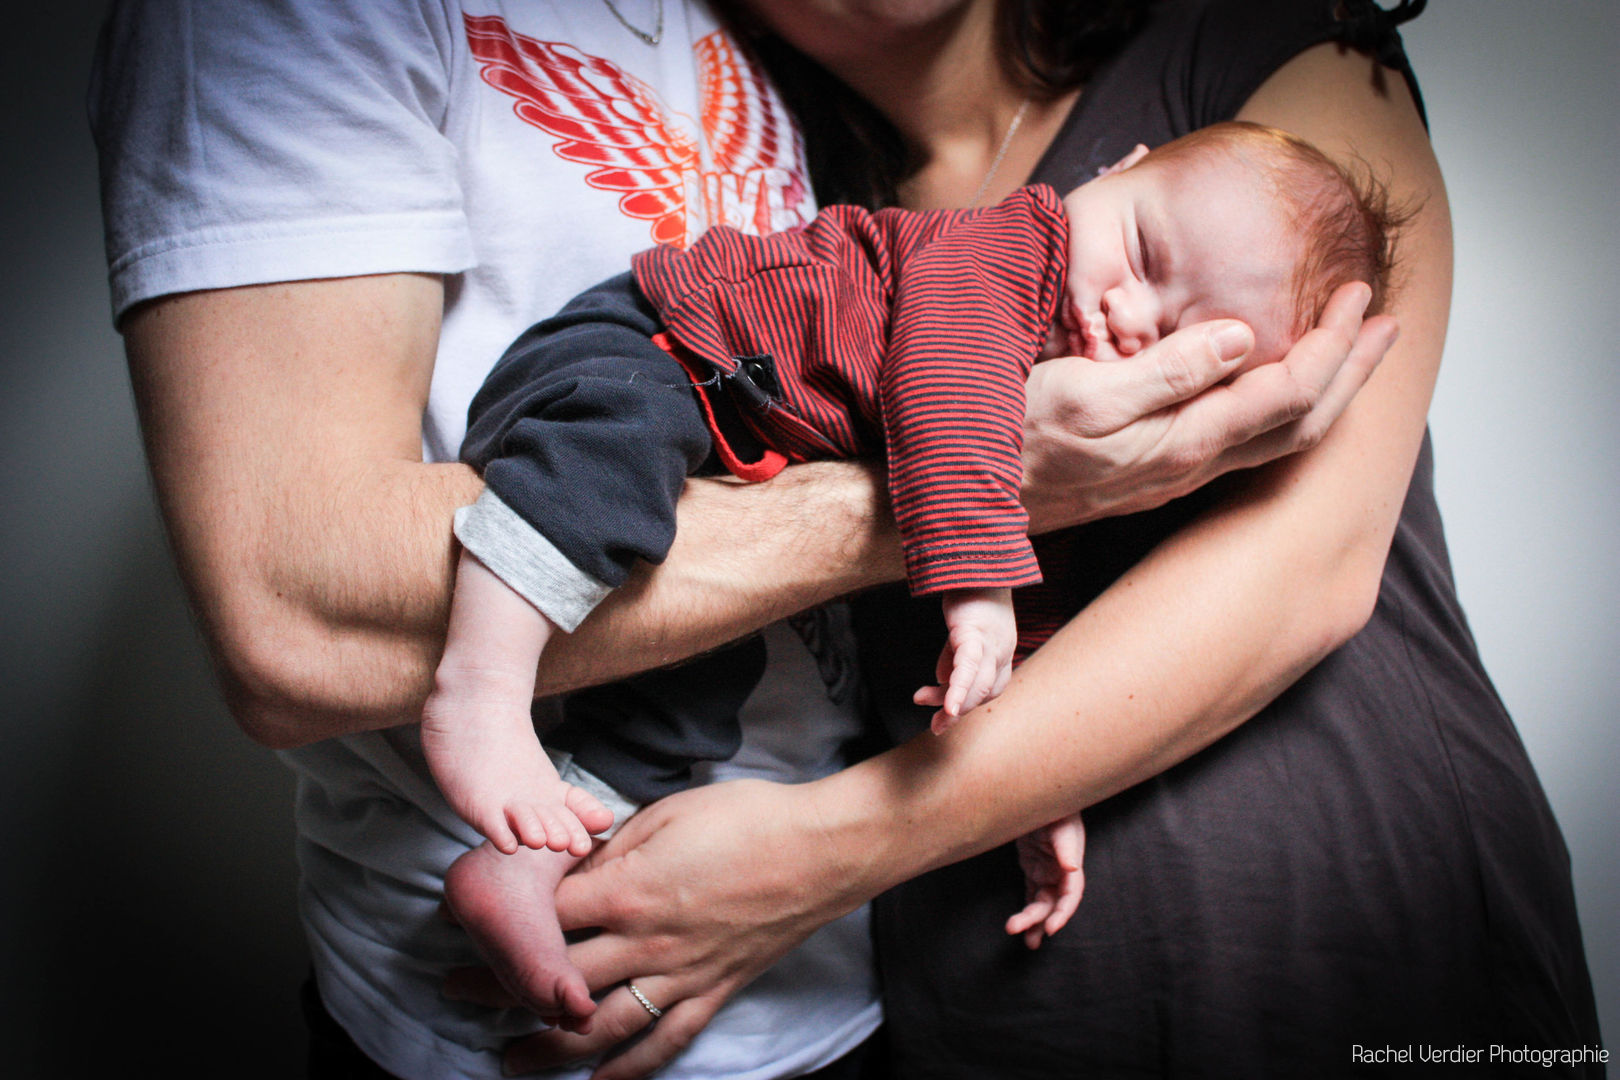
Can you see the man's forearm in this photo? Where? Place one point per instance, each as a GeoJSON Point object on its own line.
{"type": "Point", "coordinates": [744, 555]}
{"type": "Point", "coordinates": [332, 618]}
{"type": "Point", "coordinates": [362, 613]}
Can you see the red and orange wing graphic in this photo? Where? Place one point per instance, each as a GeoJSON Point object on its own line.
{"type": "Point", "coordinates": [749, 131]}
{"type": "Point", "coordinates": [603, 116]}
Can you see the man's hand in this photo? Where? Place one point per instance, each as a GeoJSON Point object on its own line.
{"type": "Point", "coordinates": [1103, 439]}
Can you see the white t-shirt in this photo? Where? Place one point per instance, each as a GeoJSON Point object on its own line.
{"type": "Point", "coordinates": [524, 150]}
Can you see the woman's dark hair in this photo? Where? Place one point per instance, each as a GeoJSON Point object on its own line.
{"type": "Point", "coordinates": [856, 156]}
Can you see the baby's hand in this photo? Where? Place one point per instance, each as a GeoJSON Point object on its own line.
{"type": "Point", "coordinates": [1053, 879]}
{"type": "Point", "coordinates": [976, 662]}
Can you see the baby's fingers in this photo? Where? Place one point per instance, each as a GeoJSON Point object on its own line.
{"type": "Point", "coordinates": [1034, 914]}
{"type": "Point", "coordinates": [1068, 840]}
{"type": "Point", "coordinates": [1067, 903]}
{"type": "Point", "coordinates": [933, 697]}
{"type": "Point", "coordinates": [984, 684]}
{"type": "Point", "coordinates": [1003, 677]}
{"type": "Point", "coordinates": [965, 672]}
{"type": "Point", "coordinates": [946, 661]}
{"type": "Point", "coordinates": [991, 681]}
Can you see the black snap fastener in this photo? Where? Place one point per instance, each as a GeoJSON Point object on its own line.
{"type": "Point", "coordinates": [759, 374]}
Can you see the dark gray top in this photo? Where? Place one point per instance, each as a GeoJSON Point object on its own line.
{"type": "Point", "coordinates": [1370, 860]}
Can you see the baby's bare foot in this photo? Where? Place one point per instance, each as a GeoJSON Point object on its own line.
{"type": "Point", "coordinates": [476, 731]}
{"type": "Point", "coordinates": [487, 761]}
{"type": "Point", "coordinates": [508, 904]}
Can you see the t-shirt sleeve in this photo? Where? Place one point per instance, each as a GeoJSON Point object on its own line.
{"type": "Point", "coordinates": [1235, 45]}
{"type": "Point", "coordinates": [1192, 63]}
{"type": "Point", "coordinates": [247, 142]}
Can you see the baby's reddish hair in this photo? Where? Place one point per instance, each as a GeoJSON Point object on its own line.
{"type": "Point", "coordinates": [1345, 217]}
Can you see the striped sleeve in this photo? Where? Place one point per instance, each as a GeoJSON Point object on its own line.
{"type": "Point", "coordinates": [971, 311]}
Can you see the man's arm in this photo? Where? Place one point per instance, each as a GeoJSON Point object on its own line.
{"type": "Point", "coordinates": [283, 427]}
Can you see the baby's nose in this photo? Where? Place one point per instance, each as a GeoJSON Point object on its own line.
{"type": "Point", "coordinates": [1131, 320]}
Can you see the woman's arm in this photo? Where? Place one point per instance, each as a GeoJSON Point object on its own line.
{"type": "Point", "coordinates": [1262, 587]}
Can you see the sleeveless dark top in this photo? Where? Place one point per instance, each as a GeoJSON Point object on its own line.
{"type": "Point", "coordinates": [1370, 860]}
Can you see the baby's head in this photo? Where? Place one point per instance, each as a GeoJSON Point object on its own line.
{"type": "Point", "coordinates": [1233, 221]}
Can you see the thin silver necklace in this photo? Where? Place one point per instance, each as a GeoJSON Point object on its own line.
{"type": "Point", "coordinates": [653, 38]}
{"type": "Point", "coordinates": [1001, 152]}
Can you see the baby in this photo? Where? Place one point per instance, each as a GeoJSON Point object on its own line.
{"type": "Point", "coordinates": [908, 333]}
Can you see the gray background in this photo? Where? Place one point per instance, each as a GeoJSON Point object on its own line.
{"type": "Point", "coordinates": [149, 883]}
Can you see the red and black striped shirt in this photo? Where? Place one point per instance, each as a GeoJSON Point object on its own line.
{"type": "Point", "coordinates": [910, 330]}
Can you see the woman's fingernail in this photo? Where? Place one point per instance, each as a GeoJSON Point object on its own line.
{"type": "Point", "coordinates": [1232, 340]}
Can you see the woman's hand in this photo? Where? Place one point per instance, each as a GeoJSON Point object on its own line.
{"type": "Point", "coordinates": [1103, 439]}
{"type": "Point", "coordinates": [695, 896]}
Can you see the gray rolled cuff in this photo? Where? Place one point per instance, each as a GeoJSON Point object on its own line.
{"type": "Point", "coordinates": [520, 555]}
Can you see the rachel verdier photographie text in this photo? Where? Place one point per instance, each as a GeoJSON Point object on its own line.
{"type": "Point", "coordinates": [1423, 1054]}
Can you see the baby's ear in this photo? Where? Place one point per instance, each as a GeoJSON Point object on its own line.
{"type": "Point", "coordinates": [1138, 152]}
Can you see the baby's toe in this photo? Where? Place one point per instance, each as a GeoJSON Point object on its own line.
{"type": "Point", "coordinates": [526, 822]}
{"type": "Point", "coordinates": [589, 810]}
{"type": "Point", "coordinates": [575, 995]}
{"type": "Point", "coordinates": [559, 837]}
{"type": "Point", "coordinates": [495, 827]}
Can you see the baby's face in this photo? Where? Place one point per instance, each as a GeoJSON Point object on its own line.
{"type": "Point", "coordinates": [1164, 243]}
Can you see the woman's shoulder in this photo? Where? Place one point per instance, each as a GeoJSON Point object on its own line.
{"type": "Point", "coordinates": [1211, 55]}
{"type": "Point", "coordinates": [1192, 63]}
{"type": "Point", "coordinates": [1223, 49]}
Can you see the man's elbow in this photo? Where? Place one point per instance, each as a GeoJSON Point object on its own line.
{"type": "Point", "coordinates": [289, 682]}
{"type": "Point", "coordinates": [265, 683]}
{"type": "Point", "coordinates": [267, 719]}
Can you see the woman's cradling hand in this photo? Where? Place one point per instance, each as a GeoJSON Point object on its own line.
{"type": "Point", "coordinates": [1109, 438]}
